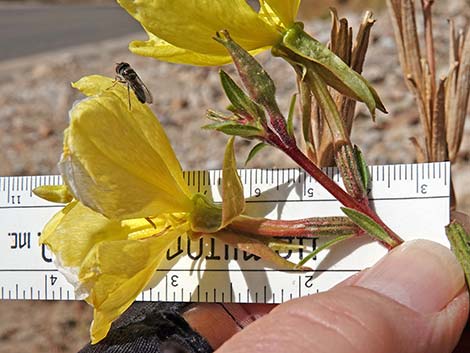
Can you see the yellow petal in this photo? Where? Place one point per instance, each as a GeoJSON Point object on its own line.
{"type": "Point", "coordinates": [286, 10]}
{"type": "Point", "coordinates": [54, 222]}
{"type": "Point", "coordinates": [117, 272]}
{"type": "Point", "coordinates": [76, 229]}
{"type": "Point", "coordinates": [192, 24]}
{"type": "Point", "coordinates": [117, 161]}
{"type": "Point", "coordinates": [98, 258]}
{"type": "Point", "coordinates": [159, 49]}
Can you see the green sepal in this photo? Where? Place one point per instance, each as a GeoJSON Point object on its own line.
{"type": "Point", "coordinates": [459, 240]}
{"type": "Point", "coordinates": [54, 193]}
{"type": "Point", "coordinates": [238, 98]}
{"type": "Point", "coordinates": [325, 246]}
{"type": "Point", "coordinates": [256, 246]}
{"type": "Point", "coordinates": [290, 118]}
{"type": "Point", "coordinates": [362, 167]}
{"type": "Point", "coordinates": [233, 200]}
{"type": "Point", "coordinates": [334, 70]}
{"type": "Point", "coordinates": [254, 151]}
{"type": "Point", "coordinates": [233, 128]}
{"type": "Point", "coordinates": [369, 225]}
{"type": "Point", "coordinates": [207, 217]}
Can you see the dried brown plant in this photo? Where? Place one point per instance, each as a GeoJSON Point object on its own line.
{"type": "Point", "coordinates": [443, 101]}
{"type": "Point", "coordinates": [317, 135]}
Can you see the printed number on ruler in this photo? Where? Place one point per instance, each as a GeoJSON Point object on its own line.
{"type": "Point", "coordinates": [412, 198]}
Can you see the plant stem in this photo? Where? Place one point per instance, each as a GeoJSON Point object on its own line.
{"type": "Point", "coordinates": [342, 196]}
{"type": "Point", "coordinates": [307, 227]}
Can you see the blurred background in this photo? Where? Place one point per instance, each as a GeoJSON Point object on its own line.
{"type": "Point", "coordinates": [45, 45]}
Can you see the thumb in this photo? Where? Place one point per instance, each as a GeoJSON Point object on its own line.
{"type": "Point", "coordinates": [413, 300]}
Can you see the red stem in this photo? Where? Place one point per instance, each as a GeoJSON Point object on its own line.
{"type": "Point", "coordinates": [307, 227]}
{"type": "Point", "coordinates": [333, 188]}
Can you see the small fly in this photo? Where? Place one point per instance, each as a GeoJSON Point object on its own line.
{"type": "Point", "coordinates": [126, 74]}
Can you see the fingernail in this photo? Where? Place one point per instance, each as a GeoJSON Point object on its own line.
{"type": "Point", "coordinates": [423, 275]}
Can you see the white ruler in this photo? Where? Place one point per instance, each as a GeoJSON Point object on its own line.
{"type": "Point", "coordinates": [413, 199]}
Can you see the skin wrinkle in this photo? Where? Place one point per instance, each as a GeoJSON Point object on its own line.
{"type": "Point", "coordinates": [325, 324]}
{"type": "Point", "coordinates": [295, 343]}
{"type": "Point", "coordinates": [363, 298]}
{"type": "Point", "coordinates": [353, 318]}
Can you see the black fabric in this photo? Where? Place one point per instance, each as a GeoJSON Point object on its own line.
{"type": "Point", "coordinates": [151, 328]}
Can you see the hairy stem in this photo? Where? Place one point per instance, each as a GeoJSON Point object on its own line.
{"type": "Point", "coordinates": [307, 227]}
{"type": "Point", "coordinates": [341, 195]}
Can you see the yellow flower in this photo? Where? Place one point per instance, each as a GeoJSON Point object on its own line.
{"type": "Point", "coordinates": [120, 162]}
{"type": "Point", "coordinates": [130, 200]}
{"type": "Point", "coordinates": [181, 31]}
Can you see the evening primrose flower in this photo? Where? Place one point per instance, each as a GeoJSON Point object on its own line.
{"type": "Point", "coordinates": [181, 31]}
{"type": "Point", "coordinates": [128, 201]}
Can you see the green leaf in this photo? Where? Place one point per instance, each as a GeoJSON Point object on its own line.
{"type": "Point", "coordinates": [238, 98]}
{"type": "Point", "coordinates": [325, 246]}
{"type": "Point", "coordinates": [290, 118]}
{"type": "Point", "coordinates": [369, 225]}
{"type": "Point", "coordinates": [334, 70]}
{"type": "Point", "coordinates": [459, 239]}
{"type": "Point", "coordinates": [235, 129]}
{"type": "Point", "coordinates": [254, 151]}
{"type": "Point", "coordinates": [233, 200]}
{"type": "Point", "coordinates": [363, 168]}
{"type": "Point", "coordinates": [255, 79]}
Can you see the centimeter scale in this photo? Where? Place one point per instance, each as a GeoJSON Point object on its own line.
{"type": "Point", "coordinates": [413, 199]}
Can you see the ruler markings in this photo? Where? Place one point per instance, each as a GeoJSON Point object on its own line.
{"type": "Point", "coordinates": [166, 288]}
{"type": "Point", "coordinates": [417, 179]}
{"type": "Point", "coordinates": [45, 286]}
{"type": "Point", "coordinates": [445, 173]}
{"type": "Point", "coordinates": [235, 282]}
{"type": "Point", "coordinates": [198, 181]}
{"type": "Point", "coordinates": [8, 191]}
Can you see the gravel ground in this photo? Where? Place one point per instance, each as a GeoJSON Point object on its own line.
{"type": "Point", "coordinates": [35, 96]}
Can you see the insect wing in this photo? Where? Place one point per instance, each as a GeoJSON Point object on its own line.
{"type": "Point", "coordinates": [141, 91]}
